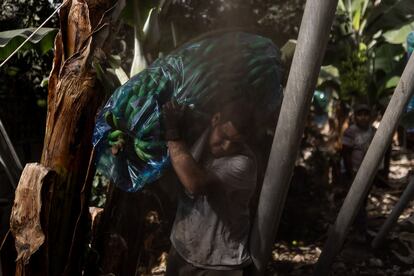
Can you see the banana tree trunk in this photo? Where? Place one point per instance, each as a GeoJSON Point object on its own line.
{"type": "Point", "coordinates": [73, 99]}
{"type": "Point", "coordinates": [313, 38]}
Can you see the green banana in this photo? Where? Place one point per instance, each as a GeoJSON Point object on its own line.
{"type": "Point", "coordinates": [141, 154]}
{"type": "Point", "coordinates": [116, 135]}
{"type": "Point", "coordinates": [111, 120]}
{"type": "Point", "coordinates": [130, 106]}
{"type": "Point", "coordinates": [119, 143]}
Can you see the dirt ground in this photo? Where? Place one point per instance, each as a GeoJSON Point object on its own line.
{"type": "Point", "coordinates": [297, 256]}
{"type": "Point", "coordinates": [311, 209]}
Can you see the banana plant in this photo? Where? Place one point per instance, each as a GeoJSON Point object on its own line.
{"type": "Point", "coordinates": [42, 41]}
{"type": "Point", "coordinates": [147, 36]}
{"type": "Point", "coordinates": [367, 47]}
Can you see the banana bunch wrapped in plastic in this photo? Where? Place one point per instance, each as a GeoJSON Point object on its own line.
{"type": "Point", "coordinates": [204, 75]}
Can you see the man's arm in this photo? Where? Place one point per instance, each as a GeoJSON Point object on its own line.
{"type": "Point", "coordinates": [192, 176]}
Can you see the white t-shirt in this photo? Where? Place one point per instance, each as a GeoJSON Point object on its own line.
{"type": "Point", "coordinates": [212, 230]}
{"type": "Point", "coordinates": [359, 140]}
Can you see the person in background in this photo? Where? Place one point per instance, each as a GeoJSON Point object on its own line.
{"type": "Point", "coordinates": [356, 139]}
{"type": "Point", "coordinates": [355, 143]}
{"type": "Point", "coordinates": [218, 178]}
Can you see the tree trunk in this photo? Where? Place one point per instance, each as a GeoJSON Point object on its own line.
{"type": "Point", "coordinates": [73, 100]}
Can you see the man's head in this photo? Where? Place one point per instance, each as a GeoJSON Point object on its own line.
{"type": "Point", "coordinates": [362, 116]}
{"type": "Point", "coordinates": [230, 128]}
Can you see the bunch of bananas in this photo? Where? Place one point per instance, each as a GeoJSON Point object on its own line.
{"type": "Point", "coordinates": [204, 75]}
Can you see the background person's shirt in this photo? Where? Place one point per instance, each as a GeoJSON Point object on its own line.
{"type": "Point", "coordinates": [212, 230]}
{"type": "Point", "coordinates": [358, 140]}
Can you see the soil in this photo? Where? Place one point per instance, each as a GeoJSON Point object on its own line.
{"type": "Point", "coordinates": [310, 210]}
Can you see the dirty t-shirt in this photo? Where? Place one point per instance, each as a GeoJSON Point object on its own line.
{"type": "Point", "coordinates": [211, 231]}
{"type": "Point", "coordinates": [359, 140]}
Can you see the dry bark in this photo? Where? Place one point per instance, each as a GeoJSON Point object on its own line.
{"type": "Point", "coordinates": [73, 100]}
{"type": "Point", "coordinates": [25, 218]}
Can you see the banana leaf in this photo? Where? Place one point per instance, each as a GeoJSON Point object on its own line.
{"type": "Point", "coordinates": [398, 36]}
{"type": "Point", "coordinates": [390, 15]}
{"type": "Point", "coordinates": [42, 41]}
{"type": "Point", "coordinates": [151, 30]}
{"type": "Point", "coordinates": [385, 57]}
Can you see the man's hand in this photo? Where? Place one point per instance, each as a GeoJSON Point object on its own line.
{"type": "Point", "coordinates": [172, 115]}
{"type": "Point", "coordinates": [192, 176]}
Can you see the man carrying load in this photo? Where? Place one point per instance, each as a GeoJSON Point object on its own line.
{"type": "Point", "coordinates": [211, 228]}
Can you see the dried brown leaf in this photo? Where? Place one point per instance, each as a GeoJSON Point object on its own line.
{"type": "Point", "coordinates": [25, 218]}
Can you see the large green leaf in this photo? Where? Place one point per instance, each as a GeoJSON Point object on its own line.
{"type": "Point", "coordinates": [288, 50]}
{"type": "Point", "coordinates": [387, 57]}
{"type": "Point", "coordinates": [392, 82]}
{"type": "Point", "coordinates": [116, 65]}
{"type": "Point", "coordinates": [151, 30]}
{"type": "Point", "coordinates": [398, 36]}
{"type": "Point", "coordinates": [341, 6]}
{"type": "Point", "coordinates": [139, 62]}
{"type": "Point", "coordinates": [390, 15]}
{"type": "Point", "coordinates": [144, 8]}
{"type": "Point", "coordinates": [328, 73]}
{"type": "Point", "coordinates": [358, 8]}
{"type": "Point", "coordinates": [42, 41]}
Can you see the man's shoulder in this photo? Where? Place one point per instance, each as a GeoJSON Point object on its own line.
{"type": "Point", "coordinates": [243, 159]}
{"type": "Point", "coordinates": [238, 169]}
{"type": "Point", "coordinates": [242, 162]}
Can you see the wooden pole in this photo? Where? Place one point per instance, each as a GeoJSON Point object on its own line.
{"type": "Point", "coordinates": [406, 197]}
{"type": "Point", "coordinates": [367, 171]}
{"type": "Point", "coordinates": [313, 38]}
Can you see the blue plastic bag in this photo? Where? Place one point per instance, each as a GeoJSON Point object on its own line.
{"type": "Point", "coordinates": [203, 75]}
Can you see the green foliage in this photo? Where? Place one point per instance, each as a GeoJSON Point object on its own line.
{"type": "Point", "coordinates": [354, 73]}
{"type": "Point", "coordinates": [100, 185]}
{"type": "Point", "coordinates": [23, 74]}
{"type": "Point", "coordinates": [389, 15]}
{"type": "Point", "coordinates": [18, 14]}
{"type": "Point", "coordinates": [143, 10]}
{"type": "Point", "coordinates": [398, 36]}
{"type": "Point", "coordinates": [22, 96]}
{"type": "Point", "coordinates": [42, 41]}
{"type": "Point", "coordinates": [143, 17]}
{"type": "Point", "coordinates": [366, 47]}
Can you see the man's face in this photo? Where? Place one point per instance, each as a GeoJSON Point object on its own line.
{"type": "Point", "coordinates": [363, 119]}
{"type": "Point", "coordinates": [224, 139]}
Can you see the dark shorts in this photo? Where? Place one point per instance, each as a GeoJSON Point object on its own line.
{"type": "Point", "coordinates": [177, 266]}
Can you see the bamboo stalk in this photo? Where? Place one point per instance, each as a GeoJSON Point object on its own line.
{"type": "Point", "coordinates": [313, 37]}
{"type": "Point", "coordinates": [367, 171]}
